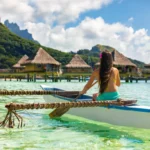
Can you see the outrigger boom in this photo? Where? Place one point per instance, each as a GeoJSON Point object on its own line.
{"type": "Point", "coordinates": [119, 112]}
{"type": "Point", "coordinates": [12, 107]}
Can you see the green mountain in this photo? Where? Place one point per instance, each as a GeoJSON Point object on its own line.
{"type": "Point", "coordinates": [97, 48]}
{"type": "Point", "coordinates": [138, 63]}
{"type": "Point", "coordinates": [13, 47]}
{"type": "Point", "coordinates": [13, 27]}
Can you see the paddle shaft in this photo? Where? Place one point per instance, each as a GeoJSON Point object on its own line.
{"type": "Point", "coordinates": [60, 111]}
{"type": "Point", "coordinates": [81, 94]}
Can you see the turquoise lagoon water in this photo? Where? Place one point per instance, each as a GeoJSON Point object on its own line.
{"type": "Point", "coordinates": [70, 132]}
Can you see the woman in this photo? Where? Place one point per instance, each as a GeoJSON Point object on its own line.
{"type": "Point", "coordinates": [107, 77]}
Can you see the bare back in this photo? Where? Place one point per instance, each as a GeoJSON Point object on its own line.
{"type": "Point", "coordinates": [114, 80]}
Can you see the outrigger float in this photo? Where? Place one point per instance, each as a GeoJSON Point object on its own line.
{"type": "Point", "coordinates": [114, 112]}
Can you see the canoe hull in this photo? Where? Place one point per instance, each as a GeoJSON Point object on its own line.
{"type": "Point", "coordinates": [130, 116]}
{"type": "Point", "coordinates": [114, 116]}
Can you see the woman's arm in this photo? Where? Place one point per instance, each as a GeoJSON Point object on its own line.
{"type": "Point", "coordinates": [89, 83]}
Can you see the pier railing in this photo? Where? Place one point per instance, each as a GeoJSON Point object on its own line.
{"type": "Point", "coordinates": [32, 77]}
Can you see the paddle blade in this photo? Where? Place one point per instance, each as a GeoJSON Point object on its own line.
{"type": "Point", "coordinates": [58, 112]}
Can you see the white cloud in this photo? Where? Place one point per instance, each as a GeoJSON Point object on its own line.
{"type": "Point", "coordinates": [131, 19]}
{"type": "Point", "coordinates": [16, 10]}
{"type": "Point", "coordinates": [49, 11]}
{"type": "Point", "coordinates": [38, 17]}
{"type": "Point", "coordinates": [134, 44]}
{"type": "Point", "coordinates": [64, 11]}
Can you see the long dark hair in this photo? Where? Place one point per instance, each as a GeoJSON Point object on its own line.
{"type": "Point", "coordinates": [105, 69]}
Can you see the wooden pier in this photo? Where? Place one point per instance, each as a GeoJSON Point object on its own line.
{"type": "Point", "coordinates": [33, 77]}
{"type": "Point", "coordinates": [136, 79]}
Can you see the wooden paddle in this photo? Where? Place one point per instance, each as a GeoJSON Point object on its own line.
{"type": "Point", "coordinates": [58, 112]}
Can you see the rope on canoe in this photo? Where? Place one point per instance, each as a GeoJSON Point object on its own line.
{"type": "Point", "coordinates": [26, 92]}
{"type": "Point", "coordinates": [9, 120]}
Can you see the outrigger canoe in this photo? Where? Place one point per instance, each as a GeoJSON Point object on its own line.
{"type": "Point", "coordinates": [131, 115]}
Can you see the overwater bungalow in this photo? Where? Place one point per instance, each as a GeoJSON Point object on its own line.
{"type": "Point", "coordinates": [122, 63]}
{"type": "Point", "coordinates": [42, 62]}
{"type": "Point", "coordinates": [77, 65]}
{"type": "Point", "coordinates": [146, 69]}
{"type": "Point", "coordinates": [17, 67]}
{"type": "Point", "coordinates": [147, 66]}
{"type": "Point", "coordinates": [5, 70]}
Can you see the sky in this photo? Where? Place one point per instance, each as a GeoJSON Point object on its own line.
{"type": "Point", "coordinates": [70, 25]}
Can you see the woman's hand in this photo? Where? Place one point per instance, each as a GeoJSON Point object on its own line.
{"type": "Point", "coordinates": [82, 92]}
{"type": "Point", "coordinates": [95, 96]}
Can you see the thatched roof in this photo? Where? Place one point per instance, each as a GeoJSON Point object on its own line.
{"type": "Point", "coordinates": [42, 57]}
{"type": "Point", "coordinates": [18, 66]}
{"type": "Point", "coordinates": [77, 62]}
{"type": "Point", "coordinates": [22, 60]}
{"type": "Point", "coordinates": [147, 65]}
{"type": "Point", "coordinates": [120, 59]}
